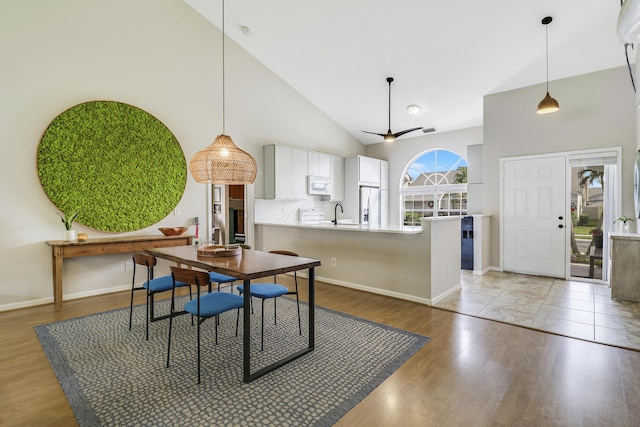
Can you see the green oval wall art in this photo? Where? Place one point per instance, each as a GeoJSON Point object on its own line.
{"type": "Point", "coordinates": [116, 164]}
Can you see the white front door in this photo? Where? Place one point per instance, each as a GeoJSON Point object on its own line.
{"type": "Point", "coordinates": [534, 216]}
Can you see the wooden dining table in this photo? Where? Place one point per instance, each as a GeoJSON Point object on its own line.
{"type": "Point", "coordinates": [247, 266]}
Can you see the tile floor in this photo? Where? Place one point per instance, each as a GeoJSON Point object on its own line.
{"type": "Point", "coordinates": [570, 308]}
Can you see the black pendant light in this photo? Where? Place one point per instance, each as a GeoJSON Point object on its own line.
{"type": "Point", "coordinates": [548, 104]}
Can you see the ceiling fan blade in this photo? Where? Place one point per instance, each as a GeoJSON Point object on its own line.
{"type": "Point", "coordinates": [374, 133]}
{"type": "Point", "coordinates": [397, 134]}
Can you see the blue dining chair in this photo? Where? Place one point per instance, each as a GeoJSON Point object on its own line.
{"type": "Point", "coordinates": [266, 291]}
{"type": "Point", "coordinates": [220, 278]}
{"type": "Point", "coordinates": [204, 306]}
{"type": "Point", "coordinates": [152, 286]}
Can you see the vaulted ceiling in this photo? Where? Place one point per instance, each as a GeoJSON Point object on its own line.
{"type": "Point", "coordinates": [444, 55]}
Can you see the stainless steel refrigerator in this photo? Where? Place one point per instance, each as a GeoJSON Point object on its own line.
{"type": "Point", "coordinates": [369, 205]}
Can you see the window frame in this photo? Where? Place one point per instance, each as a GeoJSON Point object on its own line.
{"type": "Point", "coordinates": [414, 200]}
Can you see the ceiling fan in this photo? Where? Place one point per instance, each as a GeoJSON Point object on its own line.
{"type": "Point", "coordinates": [390, 136]}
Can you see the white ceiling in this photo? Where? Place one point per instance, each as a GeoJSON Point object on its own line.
{"type": "Point", "coordinates": [444, 55]}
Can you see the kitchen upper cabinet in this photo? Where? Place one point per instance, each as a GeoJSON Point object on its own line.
{"type": "Point", "coordinates": [337, 179]}
{"type": "Point", "coordinates": [285, 173]}
{"type": "Point", "coordinates": [384, 175]}
{"type": "Point", "coordinates": [369, 171]}
{"type": "Point", "coordinates": [286, 170]}
{"type": "Point", "coordinates": [300, 172]}
{"type": "Point", "coordinates": [318, 164]}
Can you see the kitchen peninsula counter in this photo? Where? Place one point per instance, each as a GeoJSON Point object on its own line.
{"type": "Point", "coordinates": [348, 226]}
{"type": "Point", "coordinates": [420, 264]}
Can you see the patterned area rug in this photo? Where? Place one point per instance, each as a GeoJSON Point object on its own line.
{"type": "Point", "coordinates": [112, 376]}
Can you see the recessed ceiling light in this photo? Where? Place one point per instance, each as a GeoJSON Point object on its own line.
{"type": "Point", "coordinates": [413, 109]}
{"type": "Point", "coordinates": [245, 30]}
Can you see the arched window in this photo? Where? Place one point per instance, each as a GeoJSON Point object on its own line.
{"type": "Point", "coordinates": [434, 184]}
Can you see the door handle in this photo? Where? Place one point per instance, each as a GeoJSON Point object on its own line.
{"type": "Point", "coordinates": [560, 226]}
{"type": "Point", "coordinates": [560, 218]}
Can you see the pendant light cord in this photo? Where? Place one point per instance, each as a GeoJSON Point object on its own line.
{"type": "Point", "coordinates": [223, 79]}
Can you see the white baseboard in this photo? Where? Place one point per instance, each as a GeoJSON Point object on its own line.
{"type": "Point", "coordinates": [445, 294]}
{"type": "Point", "coordinates": [25, 304]}
{"type": "Point", "coordinates": [371, 290]}
{"type": "Point", "coordinates": [49, 300]}
{"type": "Point", "coordinates": [357, 286]}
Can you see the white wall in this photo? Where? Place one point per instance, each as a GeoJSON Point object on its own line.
{"type": "Point", "coordinates": [158, 55]}
{"type": "Point", "coordinates": [403, 151]}
{"type": "Point", "coordinates": [596, 110]}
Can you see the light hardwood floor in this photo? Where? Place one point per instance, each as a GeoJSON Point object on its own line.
{"type": "Point", "coordinates": [474, 372]}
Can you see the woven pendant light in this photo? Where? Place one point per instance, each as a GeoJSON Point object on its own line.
{"type": "Point", "coordinates": [548, 104]}
{"type": "Point", "coordinates": [223, 162]}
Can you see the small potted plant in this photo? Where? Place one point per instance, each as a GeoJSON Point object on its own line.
{"type": "Point", "coordinates": [69, 234]}
{"type": "Point", "coordinates": [597, 236]}
{"type": "Point", "coordinates": [624, 223]}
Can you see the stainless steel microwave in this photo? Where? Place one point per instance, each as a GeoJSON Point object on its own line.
{"type": "Point", "coordinates": [318, 185]}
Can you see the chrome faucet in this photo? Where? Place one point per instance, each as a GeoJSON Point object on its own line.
{"type": "Point", "coordinates": [335, 213]}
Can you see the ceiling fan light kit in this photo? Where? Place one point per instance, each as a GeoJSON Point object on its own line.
{"type": "Point", "coordinates": [390, 136]}
{"type": "Point", "coordinates": [548, 103]}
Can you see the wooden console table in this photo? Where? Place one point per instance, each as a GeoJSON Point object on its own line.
{"type": "Point", "coordinates": [62, 249]}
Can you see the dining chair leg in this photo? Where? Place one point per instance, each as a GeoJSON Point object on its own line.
{"type": "Point", "coordinates": [275, 311]}
{"type": "Point", "coordinates": [237, 320]}
{"type": "Point", "coordinates": [146, 334]}
{"type": "Point", "coordinates": [217, 322]}
{"type": "Point", "coordinates": [170, 324]}
{"type": "Point", "coordinates": [152, 312]}
{"type": "Point", "coordinates": [198, 322]}
{"type": "Point", "coordinates": [262, 328]}
{"type": "Point", "coordinates": [131, 308]}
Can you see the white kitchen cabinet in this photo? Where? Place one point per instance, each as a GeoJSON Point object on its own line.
{"type": "Point", "coordinates": [299, 171]}
{"type": "Point", "coordinates": [285, 173]}
{"type": "Point", "coordinates": [318, 164]}
{"type": "Point", "coordinates": [337, 178]}
{"type": "Point", "coordinates": [384, 175]}
{"type": "Point", "coordinates": [369, 171]}
{"type": "Point", "coordinates": [384, 207]}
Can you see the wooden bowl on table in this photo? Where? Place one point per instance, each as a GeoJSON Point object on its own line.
{"type": "Point", "coordinates": [173, 231]}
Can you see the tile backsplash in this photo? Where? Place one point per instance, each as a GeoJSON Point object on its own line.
{"type": "Point", "coordinates": [286, 211]}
